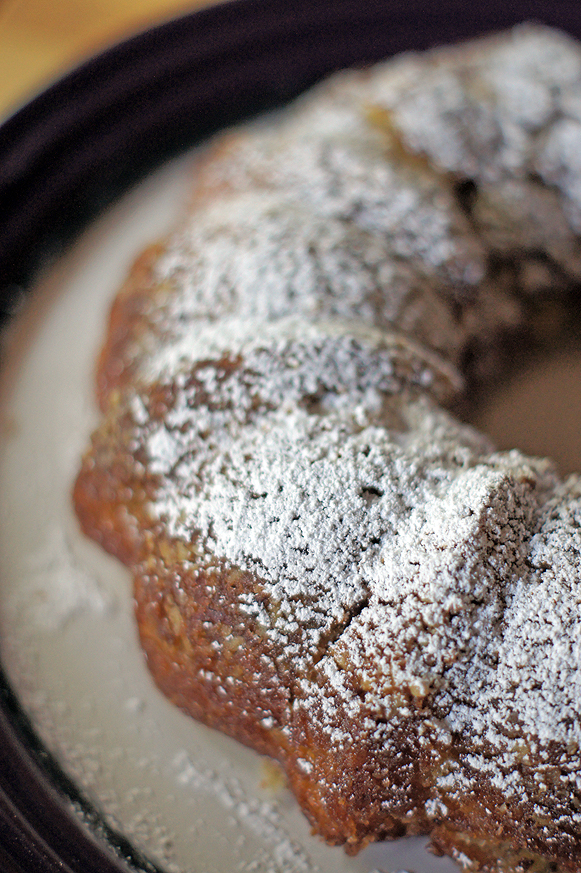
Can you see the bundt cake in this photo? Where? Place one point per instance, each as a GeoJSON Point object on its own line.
{"type": "Point", "coordinates": [328, 565]}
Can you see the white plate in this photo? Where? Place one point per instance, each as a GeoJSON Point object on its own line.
{"type": "Point", "coordinates": [190, 799]}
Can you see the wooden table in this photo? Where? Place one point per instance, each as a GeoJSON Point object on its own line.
{"type": "Point", "coordinates": [41, 39]}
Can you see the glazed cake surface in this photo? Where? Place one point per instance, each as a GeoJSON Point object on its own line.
{"type": "Point", "coordinates": [329, 566]}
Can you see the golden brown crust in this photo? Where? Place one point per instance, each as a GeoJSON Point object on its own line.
{"type": "Point", "coordinates": [127, 322]}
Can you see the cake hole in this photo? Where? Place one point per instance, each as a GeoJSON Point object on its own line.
{"type": "Point", "coordinates": [466, 192]}
{"type": "Point", "coordinates": [538, 410]}
{"type": "Point", "coordinates": [370, 493]}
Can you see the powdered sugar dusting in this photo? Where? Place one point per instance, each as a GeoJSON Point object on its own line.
{"type": "Point", "coordinates": [260, 816]}
{"type": "Point", "coordinates": [56, 587]}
